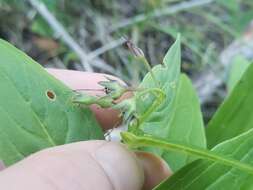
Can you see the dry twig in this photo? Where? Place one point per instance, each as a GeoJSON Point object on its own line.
{"type": "Point", "coordinates": [60, 30]}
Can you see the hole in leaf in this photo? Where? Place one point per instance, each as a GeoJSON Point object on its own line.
{"type": "Point", "coordinates": [51, 95]}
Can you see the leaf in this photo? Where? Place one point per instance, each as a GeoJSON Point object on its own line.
{"type": "Point", "coordinates": [215, 156]}
{"type": "Point", "coordinates": [234, 116]}
{"type": "Point", "coordinates": [35, 109]}
{"type": "Point", "coordinates": [231, 5]}
{"type": "Point", "coordinates": [167, 74]}
{"type": "Point", "coordinates": [241, 20]}
{"type": "Point", "coordinates": [185, 124]}
{"type": "Point", "coordinates": [237, 69]}
{"type": "Point", "coordinates": [204, 174]}
{"type": "Point", "coordinates": [179, 117]}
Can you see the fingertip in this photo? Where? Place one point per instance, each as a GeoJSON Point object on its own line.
{"type": "Point", "coordinates": [107, 118]}
{"type": "Point", "coordinates": [82, 80]}
{"type": "Point", "coordinates": [121, 166]}
{"type": "Point", "coordinates": [155, 169]}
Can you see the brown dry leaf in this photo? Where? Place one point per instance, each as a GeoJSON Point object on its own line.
{"type": "Point", "coordinates": [46, 44]}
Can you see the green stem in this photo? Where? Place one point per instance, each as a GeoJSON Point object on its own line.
{"type": "Point", "coordinates": [147, 65]}
{"type": "Point", "coordinates": [144, 141]}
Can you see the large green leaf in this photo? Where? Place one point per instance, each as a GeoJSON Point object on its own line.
{"type": "Point", "coordinates": [178, 117]}
{"type": "Point", "coordinates": [234, 116]}
{"type": "Point", "coordinates": [185, 123]}
{"type": "Point", "coordinates": [236, 71]}
{"type": "Point", "coordinates": [31, 118]}
{"type": "Point", "coordinates": [205, 174]}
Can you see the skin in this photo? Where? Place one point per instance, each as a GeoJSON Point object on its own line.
{"type": "Point", "coordinates": [85, 165]}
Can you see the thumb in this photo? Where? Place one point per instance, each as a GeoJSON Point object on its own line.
{"type": "Point", "coordinates": [93, 165]}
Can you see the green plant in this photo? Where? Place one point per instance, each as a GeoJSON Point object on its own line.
{"type": "Point", "coordinates": [35, 109]}
{"type": "Point", "coordinates": [163, 117]}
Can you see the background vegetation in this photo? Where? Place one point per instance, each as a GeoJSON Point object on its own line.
{"type": "Point", "coordinates": [217, 37]}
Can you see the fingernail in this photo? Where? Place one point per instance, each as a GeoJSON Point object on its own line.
{"type": "Point", "coordinates": [121, 166]}
{"type": "Point", "coordinates": [155, 169]}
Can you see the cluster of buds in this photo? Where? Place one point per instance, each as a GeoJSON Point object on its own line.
{"type": "Point", "coordinates": [114, 90]}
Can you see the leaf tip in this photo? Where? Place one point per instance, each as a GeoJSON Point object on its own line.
{"type": "Point", "coordinates": [174, 51]}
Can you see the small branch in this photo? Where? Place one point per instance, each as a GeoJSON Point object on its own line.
{"type": "Point", "coordinates": [160, 12]}
{"type": "Point", "coordinates": [57, 27]}
{"type": "Point", "coordinates": [105, 48]}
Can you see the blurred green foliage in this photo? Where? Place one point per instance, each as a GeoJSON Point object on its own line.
{"type": "Point", "coordinates": [206, 31]}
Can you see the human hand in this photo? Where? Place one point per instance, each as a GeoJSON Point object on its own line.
{"type": "Point", "coordinates": [95, 165]}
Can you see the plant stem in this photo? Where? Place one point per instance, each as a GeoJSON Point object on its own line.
{"type": "Point", "coordinates": [144, 141]}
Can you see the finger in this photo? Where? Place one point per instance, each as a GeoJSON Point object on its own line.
{"type": "Point", "coordinates": [87, 165]}
{"type": "Point", "coordinates": [108, 118]}
{"type": "Point", "coordinates": [155, 169]}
